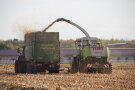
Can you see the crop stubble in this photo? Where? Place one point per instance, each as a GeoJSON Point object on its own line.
{"type": "Point", "coordinates": [122, 77]}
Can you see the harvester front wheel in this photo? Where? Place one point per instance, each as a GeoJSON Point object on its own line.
{"type": "Point", "coordinates": [74, 67]}
{"type": "Point", "coordinates": [108, 70]}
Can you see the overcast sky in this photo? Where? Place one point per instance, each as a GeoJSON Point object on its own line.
{"type": "Point", "coordinates": [100, 18]}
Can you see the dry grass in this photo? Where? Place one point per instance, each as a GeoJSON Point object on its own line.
{"type": "Point", "coordinates": [121, 78]}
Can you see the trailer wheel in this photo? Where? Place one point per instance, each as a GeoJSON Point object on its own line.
{"type": "Point", "coordinates": [53, 71]}
{"type": "Point", "coordinates": [23, 66]}
{"type": "Point", "coordinates": [56, 71]}
{"type": "Point", "coordinates": [28, 68]}
{"type": "Point", "coordinates": [20, 66]}
{"type": "Point", "coordinates": [16, 66]}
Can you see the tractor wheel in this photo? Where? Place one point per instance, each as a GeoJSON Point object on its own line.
{"type": "Point", "coordinates": [74, 67]}
{"type": "Point", "coordinates": [100, 70]}
{"type": "Point", "coordinates": [108, 70]}
{"type": "Point", "coordinates": [56, 71]}
{"type": "Point", "coordinates": [92, 70]}
{"type": "Point", "coordinates": [89, 70]}
{"type": "Point", "coordinates": [16, 66]}
{"type": "Point", "coordinates": [20, 66]}
{"type": "Point", "coordinates": [28, 68]}
{"type": "Point", "coordinates": [53, 71]}
{"type": "Point", "coordinates": [83, 67]}
{"type": "Point", "coordinates": [23, 63]}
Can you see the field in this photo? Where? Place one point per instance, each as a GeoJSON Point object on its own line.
{"type": "Point", "coordinates": [122, 77]}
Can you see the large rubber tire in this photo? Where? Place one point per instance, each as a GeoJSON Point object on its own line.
{"type": "Point", "coordinates": [83, 66]}
{"type": "Point", "coordinates": [79, 65]}
{"type": "Point", "coordinates": [107, 70]}
{"type": "Point", "coordinates": [100, 70]}
{"type": "Point", "coordinates": [28, 68]}
{"type": "Point", "coordinates": [23, 67]}
{"type": "Point", "coordinates": [53, 71]}
{"type": "Point", "coordinates": [20, 66]}
{"type": "Point", "coordinates": [74, 67]}
{"type": "Point", "coordinates": [16, 66]}
{"type": "Point", "coordinates": [91, 70]}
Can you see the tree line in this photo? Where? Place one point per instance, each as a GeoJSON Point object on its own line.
{"type": "Point", "coordinates": [15, 43]}
{"type": "Point", "coordinates": [10, 44]}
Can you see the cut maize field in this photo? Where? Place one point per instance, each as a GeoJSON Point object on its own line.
{"type": "Point", "coordinates": [122, 77]}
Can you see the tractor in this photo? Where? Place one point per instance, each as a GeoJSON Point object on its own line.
{"type": "Point", "coordinates": [92, 58]}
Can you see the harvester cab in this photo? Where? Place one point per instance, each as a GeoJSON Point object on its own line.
{"type": "Point", "coordinates": [82, 42]}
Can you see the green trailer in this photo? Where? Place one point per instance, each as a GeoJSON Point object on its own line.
{"type": "Point", "coordinates": [41, 52]}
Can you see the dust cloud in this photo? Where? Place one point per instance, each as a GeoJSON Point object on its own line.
{"type": "Point", "coordinates": [26, 30]}
{"type": "Point", "coordinates": [21, 30]}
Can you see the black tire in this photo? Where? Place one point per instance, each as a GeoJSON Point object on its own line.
{"type": "Point", "coordinates": [92, 70]}
{"type": "Point", "coordinates": [28, 68]}
{"type": "Point", "coordinates": [100, 70]}
{"type": "Point", "coordinates": [74, 67]}
{"type": "Point", "coordinates": [83, 66]}
{"type": "Point", "coordinates": [23, 67]}
{"type": "Point", "coordinates": [89, 70]}
{"type": "Point", "coordinates": [108, 70]}
{"type": "Point", "coordinates": [16, 66]}
{"type": "Point", "coordinates": [56, 71]}
{"type": "Point", "coordinates": [53, 71]}
{"type": "Point", "coordinates": [20, 66]}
